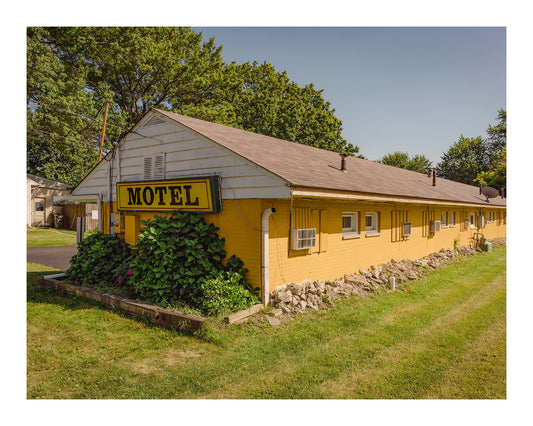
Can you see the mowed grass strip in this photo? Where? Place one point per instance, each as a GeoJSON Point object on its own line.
{"type": "Point", "coordinates": [52, 237]}
{"type": "Point", "coordinates": [441, 337]}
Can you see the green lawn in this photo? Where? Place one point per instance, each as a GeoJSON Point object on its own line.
{"type": "Point", "coordinates": [444, 336]}
{"type": "Point", "coordinates": [52, 237]}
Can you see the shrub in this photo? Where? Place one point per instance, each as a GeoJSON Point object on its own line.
{"type": "Point", "coordinates": [224, 293]}
{"type": "Point", "coordinates": [101, 258]}
{"type": "Point", "coordinates": [176, 254]}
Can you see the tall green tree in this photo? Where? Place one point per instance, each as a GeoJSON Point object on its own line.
{"type": "Point", "coordinates": [496, 176]}
{"type": "Point", "coordinates": [258, 98]}
{"type": "Point", "coordinates": [464, 160]}
{"type": "Point", "coordinates": [416, 163]}
{"type": "Point", "coordinates": [471, 160]}
{"type": "Point", "coordinates": [60, 145]}
{"type": "Point", "coordinates": [497, 135]}
{"type": "Point", "coordinates": [170, 68]}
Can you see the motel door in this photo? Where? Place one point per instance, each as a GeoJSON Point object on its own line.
{"type": "Point", "coordinates": [39, 205]}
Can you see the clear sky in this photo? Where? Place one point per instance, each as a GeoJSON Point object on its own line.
{"type": "Point", "coordinates": [396, 88]}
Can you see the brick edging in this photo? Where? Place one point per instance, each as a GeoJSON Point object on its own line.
{"type": "Point", "coordinates": [165, 317]}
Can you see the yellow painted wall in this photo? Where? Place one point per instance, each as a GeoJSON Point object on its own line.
{"type": "Point", "coordinates": [335, 256]}
{"type": "Point", "coordinates": [240, 225]}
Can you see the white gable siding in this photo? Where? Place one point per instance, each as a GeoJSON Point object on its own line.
{"type": "Point", "coordinates": [187, 154]}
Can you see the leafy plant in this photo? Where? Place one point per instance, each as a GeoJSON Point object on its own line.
{"type": "Point", "coordinates": [224, 293]}
{"type": "Point", "coordinates": [101, 258]}
{"type": "Point", "coordinates": [176, 254]}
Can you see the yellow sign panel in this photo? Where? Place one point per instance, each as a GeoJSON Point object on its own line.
{"type": "Point", "coordinates": [191, 194]}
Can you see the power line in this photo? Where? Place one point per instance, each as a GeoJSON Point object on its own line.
{"type": "Point", "coordinates": [75, 113]}
{"type": "Point", "coordinates": [60, 136]}
{"type": "Point", "coordinates": [98, 121]}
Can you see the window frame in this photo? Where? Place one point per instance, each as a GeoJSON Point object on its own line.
{"type": "Point", "coordinates": [353, 230]}
{"type": "Point", "coordinates": [451, 219]}
{"type": "Point", "coordinates": [372, 231]}
{"type": "Point", "coordinates": [473, 222]}
{"type": "Point", "coordinates": [444, 219]}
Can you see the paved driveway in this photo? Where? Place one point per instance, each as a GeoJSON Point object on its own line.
{"type": "Point", "coordinates": [56, 256]}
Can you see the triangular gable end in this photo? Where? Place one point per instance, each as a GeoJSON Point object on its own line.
{"type": "Point", "coordinates": [185, 153]}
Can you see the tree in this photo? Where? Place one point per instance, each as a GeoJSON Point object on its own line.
{"type": "Point", "coordinates": [464, 160]}
{"type": "Point", "coordinates": [496, 176]}
{"type": "Point", "coordinates": [471, 160]}
{"type": "Point", "coordinates": [141, 68]}
{"type": "Point", "coordinates": [416, 163]}
{"type": "Point", "coordinates": [258, 98]}
{"type": "Point", "coordinates": [59, 144]}
{"type": "Point", "coordinates": [497, 140]}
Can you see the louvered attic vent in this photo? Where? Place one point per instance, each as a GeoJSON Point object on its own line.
{"type": "Point", "coordinates": [153, 121]}
{"type": "Point", "coordinates": [154, 167]}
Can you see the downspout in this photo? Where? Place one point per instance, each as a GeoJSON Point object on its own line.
{"type": "Point", "coordinates": [264, 255]}
{"type": "Point", "coordinates": [118, 163]}
{"type": "Point", "coordinates": [100, 218]}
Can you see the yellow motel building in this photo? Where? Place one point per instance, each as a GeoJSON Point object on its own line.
{"type": "Point", "coordinates": [291, 212]}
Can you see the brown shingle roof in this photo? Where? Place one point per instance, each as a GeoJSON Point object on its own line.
{"type": "Point", "coordinates": [306, 166]}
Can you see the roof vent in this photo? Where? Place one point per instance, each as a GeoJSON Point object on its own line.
{"type": "Point", "coordinates": [153, 121]}
{"type": "Point", "coordinates": [433, 174]}
{"type": "Point", "coordinates": [343, 162]}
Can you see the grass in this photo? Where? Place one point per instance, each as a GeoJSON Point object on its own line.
{"type": "Point", "coordinates": [443, 336]}
{"type": "Point", "coordinates": [52, 237]}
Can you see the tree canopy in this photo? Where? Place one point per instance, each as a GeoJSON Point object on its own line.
{"type": "Point", "coordinates": [471, 160]}
{"type": "Point", "coordinates": [73, 71]}
{"type": "Point", "coordinates": [416, 163]}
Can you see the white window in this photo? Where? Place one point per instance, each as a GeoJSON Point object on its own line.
{"type": "Point", "coordinates": [371, 223]}
{"type": "Point", "coordinates": [472, 220]}
{"type": "Point", "coordinates": [451, 219]}
{"type": "Point", "coordinates": [434, 226]}
{"type": "Point", "coordinates": [303, 238]}
{"type": "Point", "coordinates": [350, 225]}
{"type": "Point", "coordinates": [444, 219]}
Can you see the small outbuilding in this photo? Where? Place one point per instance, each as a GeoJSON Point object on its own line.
{"type": "Point", "coordinates": [40, 207]}
{"type": "Point", "coordinates": [291, 212]}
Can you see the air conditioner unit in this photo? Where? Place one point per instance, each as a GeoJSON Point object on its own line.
{"type": "Point", "coordinates": [303, 239]}
{"type": "Point", "coordinates": [406, 231]}
{"type": "Point", "coordinates": [434, 226]}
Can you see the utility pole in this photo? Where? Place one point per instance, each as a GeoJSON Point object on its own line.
{"type": "Point", "coordinates": [103, 131]}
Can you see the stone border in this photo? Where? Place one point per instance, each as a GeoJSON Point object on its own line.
{"type": "Point", "coordinates": [294, 298]}
{"type": "Point", "coordinates": [165, 317]}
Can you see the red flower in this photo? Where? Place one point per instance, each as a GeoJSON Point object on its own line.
{"type": "Point", "coordinates": [120, 279]}
{"type": "Point", "coordinates": [129, 272]}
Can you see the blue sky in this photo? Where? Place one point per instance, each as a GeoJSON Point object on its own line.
{"type": "Point", "coordinates": [394, 88]}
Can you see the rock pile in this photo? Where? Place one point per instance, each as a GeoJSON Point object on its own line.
{"type": "Point", "coordinates": [293, 298]}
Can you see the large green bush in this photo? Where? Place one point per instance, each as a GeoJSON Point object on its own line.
{"type": "Point", "coordinates": [176, 255]}
{"type": "Point", "coordinates": [177, 259]}
{"type": "Point", "coordinates": [101, 259]}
